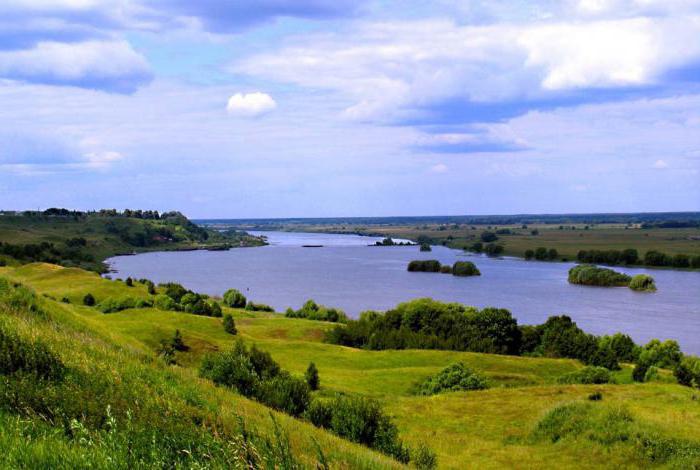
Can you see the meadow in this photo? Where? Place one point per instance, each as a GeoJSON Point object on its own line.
{"type": "Point", "coordinates": [515, 423]}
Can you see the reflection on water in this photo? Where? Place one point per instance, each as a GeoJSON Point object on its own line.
{"type": "Point", "coordinates": [347, 273]}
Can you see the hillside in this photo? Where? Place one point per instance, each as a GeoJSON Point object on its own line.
{"type": "Point", "coordinates": [86, 239]}
{"type": "Point", "coordinates": [526, 418]}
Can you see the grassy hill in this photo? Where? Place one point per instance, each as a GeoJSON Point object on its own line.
{"type": "Point", "coordinates": [526, 418]}
{"type": "Point", "coordinates": [86, 239]}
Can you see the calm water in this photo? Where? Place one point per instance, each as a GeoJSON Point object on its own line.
{"type": "Point", "coordinates": [347, 273]}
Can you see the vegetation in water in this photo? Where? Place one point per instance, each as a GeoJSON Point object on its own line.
{"type": "Point", "coordinates": [589, 275]}
{"type": "Point", "coordinates": [642, 282]}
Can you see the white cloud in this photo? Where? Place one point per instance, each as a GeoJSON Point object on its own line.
{"type": "Point", "coordinates": [250, 104]}
{"type": "Point", "coordinates": [387, 70]}
{"type": "Point", "coordinates": [660, 164]}
{"type": "Point", "coordinates": [439, 168]}
{"type": "Point", "coordinates": [94, 64]}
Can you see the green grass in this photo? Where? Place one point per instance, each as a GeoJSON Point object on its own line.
{"type": "Point", "coordinates": [493, 428]}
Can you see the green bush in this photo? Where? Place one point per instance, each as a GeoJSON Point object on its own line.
{"type": "Point", "coordinates": [229, 325]}
{"type": "Point", "coordinates": [234, 299]}
{"type": "Point", "coordinates": [446, 269]}
{"type": "Point", "coordinates": [89, 300]}
{"type": "Point", "coordinates": [253, 307]}
{"type": "Point", "coordinates": [284, 393]}
{"type": "Point", "coordinates": [688, 372]}
{"type": "Point", "coordinates": [587, 375]}
{"type": "Point", "coordinates": [589, 275]}
{"type": "Point", "coordinates": [311, 376]}
{"type": "Point", "coordinates": [425, 247]}
{"type": "Point", "coordinates": [312, 311]}
{"type": "Point", "coordinates": [164, 302]}
{"type": "Point", "coordinates": [453, 378]}
{"type": "Point", "coordinates": [642, 282]}
{"type": "Point", "coordinates": [431, 266]}
{"type": "Point", "coordinates": [493, 250]}
{"type": "Point", "coordinates": [529, 254]}
{"type": "Point", "coordinates": [174, 290]}
{"type": "Point", "coordinates": [465, 268]}
{"type": "Point", "coordinates": [117, 304]}
{"type": "Point", "coordinates": [424, 458]}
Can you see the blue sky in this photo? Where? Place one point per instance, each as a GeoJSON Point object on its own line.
{"type": "Point", "coordinates": [276, 108]}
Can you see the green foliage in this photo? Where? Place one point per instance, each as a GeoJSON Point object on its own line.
{"type": "Point", "coordinates": [177, 342]}
{"type": "Point", "coordinates": [622, 345]}
{"type": "Point", "coordinates": [230, 325]}
{"type": "Point", "coordinates": [589, 275]}
{"type": "Point", "coordinates": [488, 237]}
{"type": "Point", "coordinates": [493, 250]}
{"type": "Point", "coordinates": [311, 377]}
{"type": "Point", "coordinates": [655, 353]}
{"type": "Point", "coordinates": [312, 311]}
{"type": "Point", "coordinates": [360, 420]}
{"type": "Point", "coordinates": [89, 300]}
{"type": "Point", "coordinates": [174, 290]}
{"type": "Point", "coordinates": [642, 282]}
{"type": "Point", "coordinates": [425, 247]}
{"type": "Point", "coordinates": [529, 254]}
{"type": "Point", "coordinates": [129, 282]}
{"type": "Point", "coordinates": [424, 458]}
{"type": "Point", "coordinates": [587, 375]}
{"type": "Point", "coordinates": [446, 269]}
{"type": "Point", "coordinates": [428, 324]}
{"type": "Point", "coordinates": [164, 302]}
{"type": "Point", "coordinates": [255, 374]}
{"type": "Point", "coordinates": [253, 307]}
{"type": "Point", "coordinates": [455, 377]}
{"type": "Point", "coordinates": [117, 304]}
{"type": "Point", "coordinates": [431, 266]}
{"type": "Point", "coordinates": [465, 268]}
{"type": "Point", "coordinates": [688, 371]}
{"type": "Point", "coordinates": [234, 299]}
{"type": "Point", "coordinates": [611, 257]}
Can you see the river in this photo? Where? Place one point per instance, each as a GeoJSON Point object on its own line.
{"type": "Point", "coordinates": [347, 273]}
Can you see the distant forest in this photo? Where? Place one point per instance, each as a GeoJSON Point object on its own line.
{"type": "Point", "coordinates": [648, 219]}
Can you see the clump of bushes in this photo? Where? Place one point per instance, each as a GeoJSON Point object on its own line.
{"type": "Point", "coordinates": [234, 299]}
{"type": "Point", "coordinates": [313, 311]}
{"type": "Point", "coordinates": [688, 372]}
{"type": "Point", "coordinates": [117, 304]}
{"type": "Point", "coordinates": [642, 282]}
{"type": "Point", "coordinates": [493, 250]}
{"type": "Point", "coordinates": [542, 254]}
{"type": "Point", "coordinates": [255, 374]}
{"type": "Point", "coordinates": [429, 266]}
{"type": "Point", "coordinates": [360, 420]}
{"type": "Point", "coordinates": [453, 378]}
{"type": "Point", "coordinates": [654, 354]}
{"type": "Point", "coordinates": [311, 377]}
{"type": "Point", "coordinates": [89, 300]}
{"type": "Point", "coordinates": [589, 275]}
{"type": "Point", "coordinates": [465, 268]}
{"type": "Point", "coordinates": [230, 325]}
{"type": "Point", "coordinates": [587, 375]}
{"type": "Point", "coordinates": [425, 247]}
{"type": "Point", "coordinates": [253, 307]}
{"type": "Point", "coordinates": [176, 298]}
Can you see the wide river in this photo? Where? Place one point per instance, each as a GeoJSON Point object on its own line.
{"type": "Point", "coordinates": [349, 274]}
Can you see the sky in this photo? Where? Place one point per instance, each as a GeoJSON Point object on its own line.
{"type": "Point", "coordinates": [313, 108]}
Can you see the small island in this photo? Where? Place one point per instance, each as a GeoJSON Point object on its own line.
{"type": "Point", "coordinates": [459, 268]}
{"type": "Point", "coordinates": [590, 275]}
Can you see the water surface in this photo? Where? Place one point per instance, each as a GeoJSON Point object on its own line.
{"type": "Point", "coordinates": [347, 273]}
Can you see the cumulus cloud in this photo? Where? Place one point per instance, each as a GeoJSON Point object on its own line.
{"type": "Point", "coordinates": [111, 65]}
{"type": "Point", "coordinates": [393, 70]}
{"type": "Point", "coordinates": [660, 164]}
{"type": "Point", "coordinates": [439, 168]}
{"type": "Point", "coordinates": [250, 104]}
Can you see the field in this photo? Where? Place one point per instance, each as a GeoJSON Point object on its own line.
{"type": "Point", "coordinates": [568, 240]}
{"type": "Point", "coordinates": [506, 425]}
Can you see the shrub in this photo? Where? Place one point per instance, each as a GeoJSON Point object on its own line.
{"type": "Point", "coordinates": [488, 237]}
{"type": "Point", "coordinates": [117, 304]}
{"type": "Point", "coordinates": [30, 357]}
{"type": "Point", "coordinates": [311, 376]}
{"type": "Point", "coordinates": [595, 396]}
{"type": "Point", "coordinates": [622, 346]}
{"type": "Point", "coordinates": [253, 307]}
{"type": "Point", "coordinates": [493, 250]}
{"type": "Point", "coordinates": [465, 268]}
{"type": "Point", "coordinates": [552, 254]}
{"type": "Point", "coordinates": [589, 275]}
{"type": "Point", "coordinates": [688, 372]}
{"type": "Point", "coordinates": [425, 247]}
{"type": "Point", "coordinates": [214, 308]}
{"type": "Point", "coordinates": [587, 375]}
{"type": "Point", "coordinates": [284, 393]}
{"type": "Point", "coordinates": [129, 282]}
{"type": "Point", "coordinates": [642, 282]}
{"type": "Point", "coordinates": [446, 269]}
{"type": "Point", "coordinates": [164, 302]}
{"type": "Point", "coordinates": [529, 254]}
{"type": "Point", "coordinates": [229, 325]}
{"type": "Point", "coordinates": [695, 262]}
{"type": "Point", "coordinates": [453, 378]}
{"type": "Point", "coordinates": [477, 247]}
{"type": "Point", "coordinates": [234, 299]}
{"type": "Point", "coordinates": [424, 458]}
{"type": "Point", "coordinates": [89, 300]}
{"type": "Point", "coordinates": [431, 265]}
{"type": "Point", "coordinates": [174, 290]}
{"type": "Point", "coordinates": [177, 342]}
{"type": "Point", "coordinates": [312, 311]}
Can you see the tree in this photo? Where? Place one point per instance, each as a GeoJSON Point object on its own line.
{"type": "Point", "coordinates": [488, 237]}
{"type": "Point", "coordinates": [89, 300]}
{"type": "Point", "coordinates": [229, 325]}
{"type": "Point", "coordinates": [177, 343]}
{"type": "Point", "coordinates": [234, 299]}
{"type": "Point", "coordinates": [552, 254]}
{"type": "Point", "coordinates": [129, 282]}
{"type": "Point", "coordinates": [311, 377]}
{"type": "Point", "coordinates": [465, 268]}
{"type": "Point", "coordinates": [529, 254]}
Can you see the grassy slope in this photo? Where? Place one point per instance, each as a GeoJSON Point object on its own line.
{"type": "Point", "coordinates": [566, 242]}
{"type": "Point", "coordinates": [21, 230]}
{"type": "Point", "coordinates": [488, 429]}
